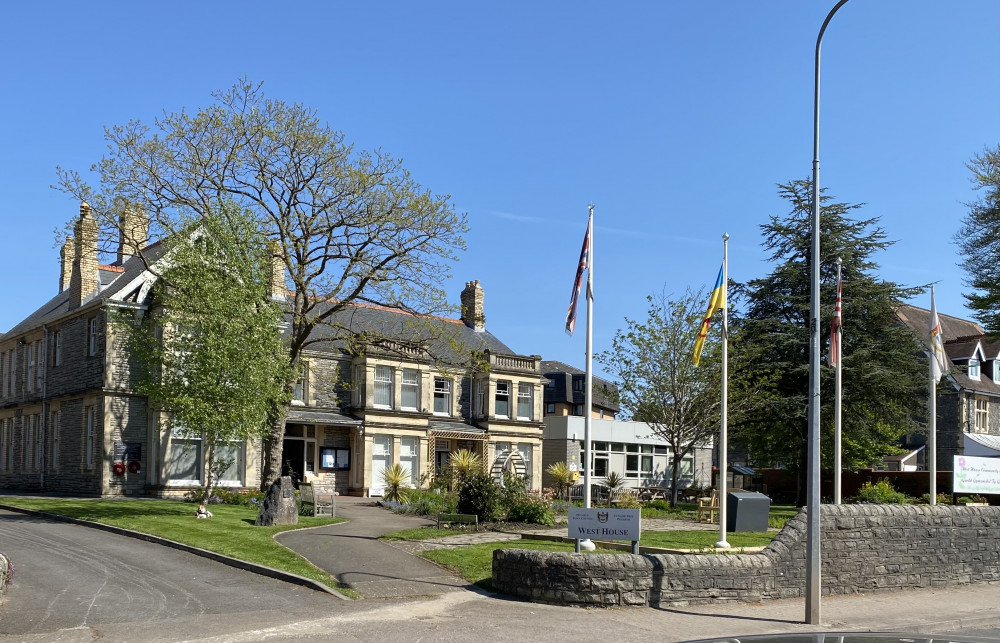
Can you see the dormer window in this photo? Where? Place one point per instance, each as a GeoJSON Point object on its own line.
{"type": "Point", "coordinates": [996, 370]}
{"type": "Point", "coordinates": [974, 369]}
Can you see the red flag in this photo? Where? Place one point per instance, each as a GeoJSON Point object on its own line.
{"type": "Point", "coordinates": [835, 327]}
{"type": "Point", "coordinates": [583, 265]}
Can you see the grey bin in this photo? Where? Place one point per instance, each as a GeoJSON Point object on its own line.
{"type": "Point", "coordinates": [747, 511]}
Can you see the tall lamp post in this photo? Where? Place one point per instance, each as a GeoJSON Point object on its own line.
{"type": "Point", "coordinates": [812, 503]}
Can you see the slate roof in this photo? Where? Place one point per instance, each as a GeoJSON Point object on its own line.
{"type": "Point", "coordinates": [113, 279]}
{"type": "Point", "coordinates": [961, 337]}
{"type": "Point", "coordinates": [440, 337]}
{"type": "Point", "coordinates": [988, 441]}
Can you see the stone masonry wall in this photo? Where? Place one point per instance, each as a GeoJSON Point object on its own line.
{"type": "Point", "coordinates": [865, 548]}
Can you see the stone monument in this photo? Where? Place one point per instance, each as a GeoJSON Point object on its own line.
{"type": "Point", "coordinates": [280, 506]}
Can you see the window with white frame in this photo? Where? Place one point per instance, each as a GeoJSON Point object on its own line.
{"type": "Point", "coordinates": [442, 396]}
{"type": "Point", "coordinates": [982, 415]}
{"type": "Point", "coordinates": [383, 387]}
{"type": "Point", "coordinates": [30, 427]}
{"type": "Point", "coordinates": [410, 391]}
{"type": "Point", "coordinates": [501, 406]}
{"type": "Point", "coordinates": [4, 440]}
{"type": "Point", "coordinates": [36, 420]}
{"type": "Point", "coordinates": [9, 383]}
{"type": "Point", "coordinates": [92, 336]}
{"type": "Point", "coordinates": [409, 459]}
{"type": "Point", "coordinates": [184, 458]}
{"type": "Point", "coordinates": [39, 360]}
{"type": "Point", "coordinates": [600, 459]}
{"type": "Point", "coordinates": [524, 448]}
{"type": "Point", "coordinates": [500, 448]}
{"type": "Point", "coordinates": [89, 418]}
{"type": "Point", "coordinates": [233, 453]}
{"type": "Point", "coordinates": [57, 348]}
{"type": "Point", "coordinates": [996, 370]}
{"type": "Point", "coordinates": [8, 455]}
{"type": "Point", "coordinates": [3, 374]}
{"type": "Point", "coordinates": [359, 386]}
{"type": "Point", "coordinates": [299, 392]}
{"type": "Point", "coordinates": [54, 430]}
{"type": "Point", "coordinates": [524, 401]}
{"type": "Point", "coordinates": [480, 399]}
{"type": "Point", "coordinates": [29, 381]}
{"type": "Point", "coordinates": [974, 369]}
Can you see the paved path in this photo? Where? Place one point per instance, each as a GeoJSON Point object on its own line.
{"type": "Point", "coordinates": [70, 577]}
{"type": "Point", "coordinates": [352, 553]}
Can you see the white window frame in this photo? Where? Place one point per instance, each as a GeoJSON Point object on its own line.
{"type": "Point", "coordinates": [981, 410]}
{"type": "Point", "coordinates": [411, 444]}
{"type": "Point", "coordinates": [3, 373]}
{"type": "Point", "coordinates": [29, 379]}
{"type": "Point", "coordinates": [54, 430]}
{"type": "Point", "coordinates": [199, 444]}
{"type": "Point", "coordinates": [442, 391]}
{"type": "Point", "coordinates": [92, 337]}
{"type": "Point", "coordinates": [240, 463]}
{"type": "Point", "coordinates": [410, 384]}
{"type": "Point", "coordinates": [480, 398]}
{"type": "Point", "coordinates": [301, 382]}
{"type": "Point", "coordinates": [384, 376]}
{"type": "Point", "coordinates": [57, 348]}
{"type": "Point", "coordinates": [4, 441]}
{"type": "Point", "coordinates": [30, 428]}
{"type": "Point", "coordinates": [527, 452]}
{"type": "Point", "coordinates": [502, 394]}
{"type": "Point", "coordinates": [973, 369]}
{"type": "Point", "coordinates": [525, 395]}
{"type": "Point", "coordinates": [359, 386]}
{"type": "Point", "coordinates": [89, 420]}
{"type": "Point", "coordinates": [39, 361]}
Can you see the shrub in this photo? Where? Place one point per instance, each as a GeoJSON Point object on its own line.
{"type": "Point", "coordinates": [464, 463]}
{"type": "Point", "coordinates": [562, 506]}
{"type": "Point", "coordinates": [395, 479]}
{"type": "Point", "coordinates": [964, 500]}
{"type": "Point", "coordinates": [881, 493]}
{"type": "Point", "coordinates": [532, 509]}
{"type": "Point", "coordinates": [628, 500]}
{"type": "Point", "coordinates": [512, 491]}
{"type": "Point", "coordinates": [428, 502]}
{"type": "Point", "coordinates": [228, 497]}
{"type": "Point", "coordinates": [942, 499]}
{"type": "Point", "coordinates": [561, 477]}
{"type": "Point", "coordinates": [479, 494]}
{"type": "Point", "coordinates": [662, 505]}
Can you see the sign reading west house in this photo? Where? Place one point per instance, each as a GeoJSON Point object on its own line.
{"type": "Point", "coordinates": [976, 475]}
{"type": "Point", "coordinates": [604, 524]}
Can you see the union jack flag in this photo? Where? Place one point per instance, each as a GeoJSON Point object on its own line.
{"type": "Point", "coordinates": [583, 265]}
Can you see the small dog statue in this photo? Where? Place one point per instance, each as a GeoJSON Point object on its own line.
{"type": "Point", "coordinates": [203, 512]}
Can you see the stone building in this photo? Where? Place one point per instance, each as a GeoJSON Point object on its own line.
{"type": "Point", "coordinates": [565, 392]}
{"type": "Point", "coordinates": [968, 402]}
{"type": "Point", "coordinates": [70, 420]}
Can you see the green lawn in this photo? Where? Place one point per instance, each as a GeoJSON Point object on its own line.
{"type": "Point", "coordinates": [423, 533]}
{"type": "Point", "coordinates": [230, 531]}
{"type": "Point", "coordinates": [699, 539]}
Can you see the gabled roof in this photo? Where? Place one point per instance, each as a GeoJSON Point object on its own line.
{"type": "Point", "coordinates": [113, 281]}
{"type": "Point", "coordinates": [964, 348]}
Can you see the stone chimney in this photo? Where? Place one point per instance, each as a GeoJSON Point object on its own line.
{"type": "Point", "coordinates": [133, 233]}
{"type": "Point", "coordinates": [83, 282]}
{"type": "Point", "coordinates": [472, 306]}
{"type": "Point", "coordinates": [66, 263]}
{"type": "Point", "coordinates": [278, 289]}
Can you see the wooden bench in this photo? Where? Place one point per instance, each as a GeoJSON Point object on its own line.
{"type": "Point", "coordinates": [320, 496]}
{"type": "Point", "coordinates": [465, 519]}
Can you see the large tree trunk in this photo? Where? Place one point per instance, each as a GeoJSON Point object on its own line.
{"type": "Point", "coordinates": [273, 446]}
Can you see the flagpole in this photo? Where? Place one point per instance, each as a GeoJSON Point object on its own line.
{"type": "Point", "coordinates": [723, 443]}
{"type": "Point", "coordinates": [839, 395]}
{"type": "Point", "coordinates": [589, 377]}
{"type": "Point", "coordinates": [932, 406]}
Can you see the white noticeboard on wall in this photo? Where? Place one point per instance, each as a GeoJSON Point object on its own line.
{"type": "Point", "coordinates": [976, 475]}
{"type": "Point", "coordinates": [604, 524]}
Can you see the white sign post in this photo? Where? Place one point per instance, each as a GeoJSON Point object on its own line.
{"type": "Point", "coordinates": [976, 475]}
{"type": "Point", "coordinates": [606, 524]}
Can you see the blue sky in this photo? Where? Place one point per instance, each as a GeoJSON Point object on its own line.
{"type": "Point", "coordinates": [676, 119]}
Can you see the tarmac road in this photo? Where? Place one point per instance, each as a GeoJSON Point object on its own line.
{"type": "Point", "coordinates": [69, 577]}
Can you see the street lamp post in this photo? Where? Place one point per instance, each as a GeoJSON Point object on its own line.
{"type": "Point", "coordinates": [812, 538]}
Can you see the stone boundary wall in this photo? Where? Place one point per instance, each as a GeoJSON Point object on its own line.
{"type": "Point", "coordinates": [865, 548]}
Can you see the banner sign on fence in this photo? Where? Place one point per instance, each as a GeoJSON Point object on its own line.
{"type": "Point", "coordinates": [976, 475]}
{"type": "Point", "coordinates": [604, 524]}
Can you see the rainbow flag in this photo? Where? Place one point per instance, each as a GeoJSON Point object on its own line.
{"type": "Point", "coordinates": [717, 302]}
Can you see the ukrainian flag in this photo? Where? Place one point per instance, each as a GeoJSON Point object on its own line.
{"type": "Point", "coordinates": [717, 302]}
